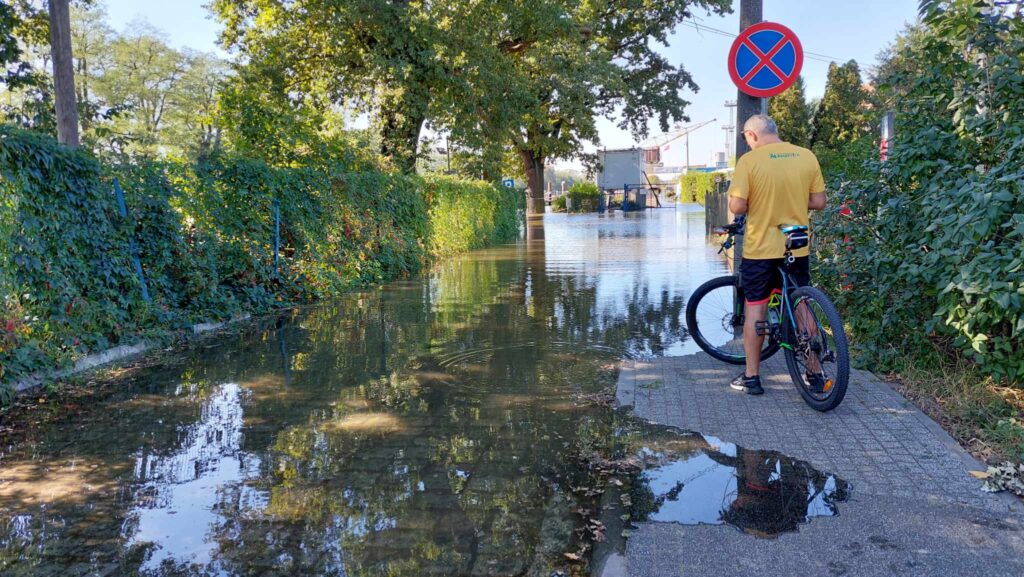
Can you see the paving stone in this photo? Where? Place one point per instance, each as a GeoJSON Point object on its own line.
{"type": "Point", "coordinates": [876, 439]}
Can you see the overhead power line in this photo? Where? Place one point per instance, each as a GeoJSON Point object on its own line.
{"type": "Point", "coordinates": [807, 53]}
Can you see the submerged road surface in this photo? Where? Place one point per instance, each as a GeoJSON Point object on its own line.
{"type": "Point", "coordinates": [443, 425]}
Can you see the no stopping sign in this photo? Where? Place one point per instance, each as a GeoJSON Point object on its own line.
{"type": "Point", "coordinates": [765, 59]}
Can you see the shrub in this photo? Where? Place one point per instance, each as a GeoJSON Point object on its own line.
{"type": "Point", "coordinates": [558, 203]}
{"type": "Point", "coordinates": [468, 215]}
{"type": "Point", "coordinates": [695, 186]}
{"type": "Point", "coordinates": [936, 238]}
{"type": "Point", "coordinates": [585, 196]}
{"type": "Point", "coordinates": [204, 234]}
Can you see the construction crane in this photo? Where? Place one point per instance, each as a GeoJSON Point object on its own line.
{"type": "Point", "coordinates": [663, 140]}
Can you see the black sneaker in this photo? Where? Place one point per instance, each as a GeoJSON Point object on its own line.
{"type": "Point", "coordinates": [749, 385]}
{"type": "Point", "coordinates": [815, 382]}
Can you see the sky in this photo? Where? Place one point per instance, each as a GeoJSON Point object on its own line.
{"type": "Point", "coordinates": [838, 29]}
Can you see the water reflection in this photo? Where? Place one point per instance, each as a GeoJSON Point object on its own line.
{"type": "Point", "coordinates": [702, 480]}
{"type": "Point", "coordinates": [179, 495]}
{"type": "Point", "coordinates": [418, 429]}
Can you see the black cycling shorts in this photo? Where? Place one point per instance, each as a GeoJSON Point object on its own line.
{"type": "Point", "coordinates": [758, 277]}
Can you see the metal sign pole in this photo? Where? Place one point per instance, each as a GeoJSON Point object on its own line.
{"type": "Point", "coordinates": [751, 12]}
{"type": "Point", "coordinates": [136, 263]}
{"type": "Point", "coordinates": [277, 234]}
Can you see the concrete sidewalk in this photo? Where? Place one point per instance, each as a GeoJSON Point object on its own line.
{"type": "Point", "coordinates": [914, 510]}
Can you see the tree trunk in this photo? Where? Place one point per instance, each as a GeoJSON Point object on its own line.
{"type": "Point", "coordinates": [533, 164]}
{"type": "Point", "coordinates": [402, 121]}
{"type": "Point", "coordinates": [63, 73]}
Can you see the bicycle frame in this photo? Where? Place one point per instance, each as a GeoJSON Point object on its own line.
{"type": "Point", "coordinates": [788, 284]}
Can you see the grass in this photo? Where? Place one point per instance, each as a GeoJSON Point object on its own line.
{"type": "Point", "coordinates": [986, 417]}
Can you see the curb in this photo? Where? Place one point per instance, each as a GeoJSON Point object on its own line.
{"type": "Point", "coordinates": [108, 356]}
{"type": "Point", "coordinates": [1012, 502]}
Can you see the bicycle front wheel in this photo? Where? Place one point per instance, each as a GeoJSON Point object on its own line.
{"type": "Point", "coordinates": [715, 324]}
{"type": "Point", "coordinates": [818, 356]}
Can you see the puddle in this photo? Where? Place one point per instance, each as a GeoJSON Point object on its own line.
{"type": "Point", "coordinates": [436, 426]}
{"type": "Point", "coordinates": [692, 479]}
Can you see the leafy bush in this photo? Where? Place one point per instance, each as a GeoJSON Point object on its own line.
{"type": "Point", "coordinates": [558, 203]}
{"type": "Point", "coordinates": [584, 196]}
{"type": "Point", "coordinates": [68, 289]}
{"type": "Point", "coordinates": [695, 186]}
{"type": "Point", "coordinates": [205, 236]}
{"type": "Point", "coordinates": [468, 215]}
{"type": "Point", "coordinates": [936, 240]}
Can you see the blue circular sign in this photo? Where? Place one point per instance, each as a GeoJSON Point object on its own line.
{"type": "Point", "coordinates": [765, 59]}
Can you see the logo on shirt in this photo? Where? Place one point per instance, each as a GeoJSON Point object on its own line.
{"type": "Point", "coordinates": [774, 155]}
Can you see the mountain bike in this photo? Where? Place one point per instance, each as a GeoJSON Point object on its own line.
{"type": "Point", "coordinates": [801, 320]}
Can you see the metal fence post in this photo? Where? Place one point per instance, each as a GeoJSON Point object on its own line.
{"type": "Point", "coordinates": [277, 234]}
{"type": "Point", "coordinates": [136, 263]}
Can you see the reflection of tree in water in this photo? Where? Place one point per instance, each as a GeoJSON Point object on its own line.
{"type": "Point", "coordinates": [411, 431]}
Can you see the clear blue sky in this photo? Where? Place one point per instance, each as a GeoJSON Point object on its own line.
{"type": "Point", "coordinates": [841, 29]}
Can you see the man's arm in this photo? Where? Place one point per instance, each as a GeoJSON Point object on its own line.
{"type": "Point", "coordinates": [739, 187]}
{"type": "Point", "coordinates": [817, 201]}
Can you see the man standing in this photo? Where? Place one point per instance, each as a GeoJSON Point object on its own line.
{"type": "Point", "coordinates": [775, 183]}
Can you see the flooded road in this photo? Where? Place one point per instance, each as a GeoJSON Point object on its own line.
{"type": "Point", "coordinates": [436, 426]}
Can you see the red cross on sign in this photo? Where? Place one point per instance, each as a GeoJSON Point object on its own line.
{"type": "Point", "coordinates": [765, 59]}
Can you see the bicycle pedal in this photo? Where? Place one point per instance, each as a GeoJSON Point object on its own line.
{"type": "Point", "coordinates": [762, 328]}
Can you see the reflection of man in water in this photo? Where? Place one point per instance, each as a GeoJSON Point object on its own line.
{"type": "Point", "coordinates": [763, 493]}
{"type": "Point", "coordinates": [771, 494]}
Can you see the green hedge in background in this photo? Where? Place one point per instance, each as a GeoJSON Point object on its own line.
{"type": "Point", "coordinates": [466, 215]}
{"type": "Point", "coordinates": [585, 197]}
{"type": "Point", "coordinates": [204, 233]}
{"type": "Point", "coordinates": [695, 186]}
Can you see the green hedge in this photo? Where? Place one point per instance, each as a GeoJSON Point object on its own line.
{"type": "Point", "coordinates": [205, 234]}
{"type": "Point", "coordinates": [695, 186]}
{"type": "Point", "coordinates": [585, 197]}
{"type": "Point", "coordinates": [468, 215]}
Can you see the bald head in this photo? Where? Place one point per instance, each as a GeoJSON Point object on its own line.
{"type": "Point", "coordinates": [761, 124]}
{"type": "Point", "coordinates": [759, 130]}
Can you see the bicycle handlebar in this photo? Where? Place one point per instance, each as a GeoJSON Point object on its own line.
{"type": "Point", "coordinates": [737, 225]}
{"type": "Point", "coordinates": [732, 229]}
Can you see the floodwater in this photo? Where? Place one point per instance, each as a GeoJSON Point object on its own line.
{"type": "Point", "coordinates": [434, 426]}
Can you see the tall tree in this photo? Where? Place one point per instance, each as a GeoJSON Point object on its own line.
{"type": "Point", "coordinates": [842, 116]}
{"type": "Point", "coordinates": [193, 122]}
{"type": "Point", "coordinates": [403, 62]}
{"type": "Point", "coordinates": [792, 114]}
{"type": "Point", "coordinates": [91, 39]}
{"type": "Point", "coordinates": [143, 77]}
{"type": "Point", "coordinates": [605, 65]}
{"type": "Point", "coordinates": [63, 73]}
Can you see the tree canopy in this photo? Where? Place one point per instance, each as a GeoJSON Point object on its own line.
{"type": "Point", "coordinates": [526, 76]}
{"type": "Point", "coordinates": [842, 115]}
{"type": "Point", "coordinates": [401, 62]}
{"type": "Point", "coordinates": [512, 84]}
{"type": "Point", "coordinates": [792, 114]}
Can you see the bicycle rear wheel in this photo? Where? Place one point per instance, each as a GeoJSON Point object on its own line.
{"type": "Point", "coordinates": [818, 357]}
{"type": "Point", "coordinates": [716, 326]}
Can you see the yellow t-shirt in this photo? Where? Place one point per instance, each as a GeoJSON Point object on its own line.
{"type": "Point", "coordinates": [777, 181]}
